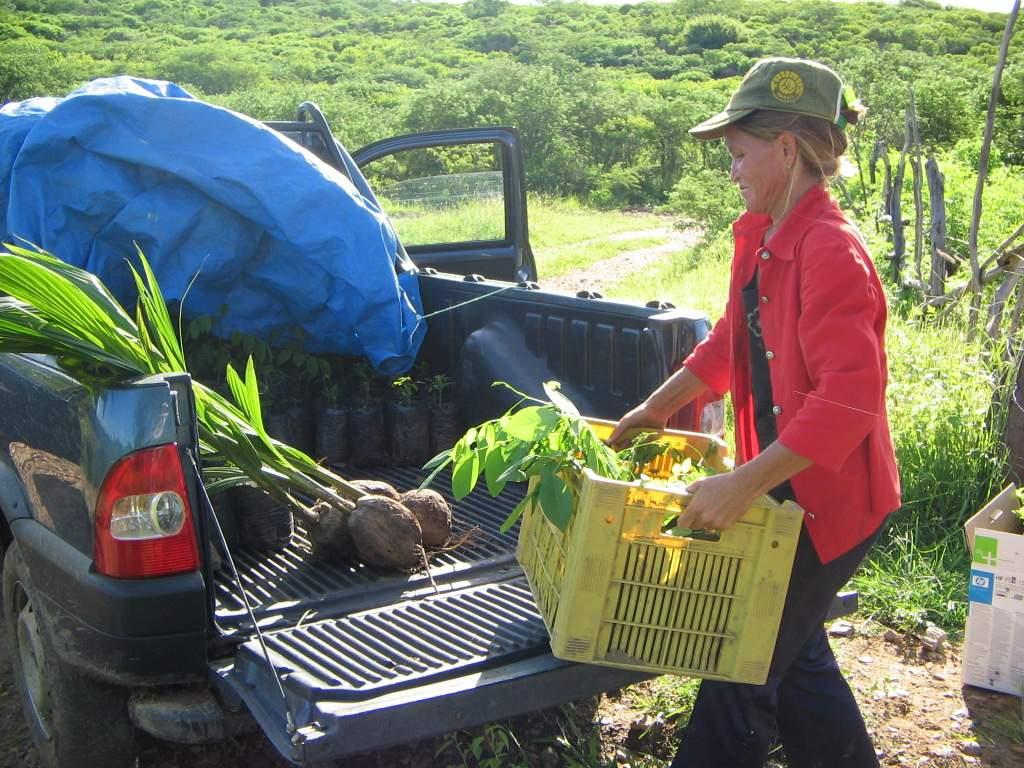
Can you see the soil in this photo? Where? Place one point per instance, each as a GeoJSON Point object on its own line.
{"type": "Point", "coordinates": [916, 709]}
{"type": "Point", "coordinates": [600, 275]}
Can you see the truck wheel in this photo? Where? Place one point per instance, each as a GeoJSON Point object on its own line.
{"type": "Point", "coordinates": [75, 722]}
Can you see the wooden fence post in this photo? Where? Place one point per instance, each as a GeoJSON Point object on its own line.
{"type": "Point", "coordinates": [899, 240]}
{"type": "Point", "coordinates": [876, 152]}
{"type": "Point", "coordinates": [986, 145]}
{"type": "Point", "coordinates": [937, 233]}
{"type": "Point", "coordinates": [915, 167]}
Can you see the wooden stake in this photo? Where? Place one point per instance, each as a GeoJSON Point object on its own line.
{"type": "Point", "coordinates": [915, 167]}
{"type": "Point", "coordinates": [937, 232]}
{"type": "Point", "coordinates": [899, 240]}
{"type": "Point", "coordinates": [986, 146]}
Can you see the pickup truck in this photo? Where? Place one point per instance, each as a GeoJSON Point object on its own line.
{"type": "Point", "coordinates": [327, 659]}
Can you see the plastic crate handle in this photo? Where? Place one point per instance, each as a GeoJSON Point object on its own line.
{"type": "Point", "coordinates": [699, 534]}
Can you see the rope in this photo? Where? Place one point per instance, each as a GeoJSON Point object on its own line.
{"type": "Point", "coordinates": [464, 303]}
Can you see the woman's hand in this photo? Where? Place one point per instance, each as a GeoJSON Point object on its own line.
{"type": "Point", "coordinates": [718, 502]}
{"type": "Point", "coordinates": [654, 412]}
{"type": "Point", "coordinates": [643, 416]}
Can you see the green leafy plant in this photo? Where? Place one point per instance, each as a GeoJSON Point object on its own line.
{"type": "Point", "coordinates": [438, 386]}
{"type": "Point", "coordinates": [330, 394]}
{"type": "Point", "coordinates": [363, 380]}
{"type": "Point", "coordinates": [405, 388]}
{"type": "Point", "coordinates": [493, 746]}
{"type": "Point", "coordinates": [305, 366]}
{"type": "Point", "coordinates": [549, 441]}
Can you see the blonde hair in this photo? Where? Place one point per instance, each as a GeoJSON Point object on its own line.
{"type": "Point", "coordinates": [820, 143]}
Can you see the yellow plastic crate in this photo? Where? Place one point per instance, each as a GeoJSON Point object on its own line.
{"type": "Point", "coordinates": [614, 590]}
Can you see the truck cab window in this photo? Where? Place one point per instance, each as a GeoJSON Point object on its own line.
{"type": "Point", "coordinates": [442, 194]}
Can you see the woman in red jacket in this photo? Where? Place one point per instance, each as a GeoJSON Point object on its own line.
{"type": "Point", "coordinates": [801, 350]}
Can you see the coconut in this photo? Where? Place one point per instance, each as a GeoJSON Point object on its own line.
{"type": "Point", "coordinates": [328, 532]}
{"type": "Point", "coordinates": [385, 533]}
{"type": "Point", "coordinates": [433, 513]}
{"type": "Point", "coordinates": [377, 488]}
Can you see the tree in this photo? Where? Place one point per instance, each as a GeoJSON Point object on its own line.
{"type": "Point", "coordinates": [711, 31]}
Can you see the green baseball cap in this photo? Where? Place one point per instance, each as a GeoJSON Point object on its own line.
{"type": "Point", "coordinates": [783, 85]}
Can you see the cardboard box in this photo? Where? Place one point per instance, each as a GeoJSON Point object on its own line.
{"type": "Point", "coordinates": [994, 644]}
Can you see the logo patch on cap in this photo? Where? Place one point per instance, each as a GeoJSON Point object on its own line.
{"type": "Point", "coordinates": [787, 86]}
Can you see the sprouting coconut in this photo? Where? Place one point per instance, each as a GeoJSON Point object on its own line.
{"type": "Point", "coordinates": [386, 533]}
{"type": "Point", "coordinates": [327, 526]}
{"type": "Point", "coordinates": [377, 488]}
{"type": "Point", "coordinates": [433, 514]}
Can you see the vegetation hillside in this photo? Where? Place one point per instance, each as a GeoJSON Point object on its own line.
{"type": "Point", "coordinates": [602, 94]}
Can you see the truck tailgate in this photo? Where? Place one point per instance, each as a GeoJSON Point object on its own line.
{"type": "Point", "coordinates": [467, 649]}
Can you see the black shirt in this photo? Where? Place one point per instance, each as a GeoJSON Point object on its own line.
{"type": "Point", "coordinates": [760, 380]}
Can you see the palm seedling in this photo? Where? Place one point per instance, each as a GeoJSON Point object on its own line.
{"type": "Point", "coordinates": [53, 308]}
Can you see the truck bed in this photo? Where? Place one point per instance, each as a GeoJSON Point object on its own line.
{"type": "Point", "coordinates": [362, 653]}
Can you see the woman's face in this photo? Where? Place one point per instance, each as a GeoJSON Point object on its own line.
{"type": "Point", "coordinates": [761, 169]}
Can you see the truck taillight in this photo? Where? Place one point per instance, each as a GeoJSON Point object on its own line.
{"type": "Point", "coordinates": [143, 518]}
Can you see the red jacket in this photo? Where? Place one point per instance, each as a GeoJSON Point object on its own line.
{"type": "Point", "coordinates": [823, 318]}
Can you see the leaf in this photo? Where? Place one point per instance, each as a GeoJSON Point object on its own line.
{"type": "Point", "coordinates": [564, 404]}
{"type": "Point", "coordinates": [74, 303]}
{"type": "Point", "coordinates": [494, 467]}
{"type": "Point", "coordinates": [252, 394]}
{"type": "Point", "coordinates": [443, 460]}
{"type": "Point", "coordinates": [532, 422]}
{"type": "Point", "coordinates": [516, 513]}
{"type": "Point", "coordinates": [465, 474]}
{"type": "Point", "coordinates": [555, 500]}
{"type": "Point", "coordinates": [158, 319]}
{"type": "Point", "coordinates": [439, 460]}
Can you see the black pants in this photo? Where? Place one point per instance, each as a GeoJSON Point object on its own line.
{"type": "Point", "coordinates": [805, 701]}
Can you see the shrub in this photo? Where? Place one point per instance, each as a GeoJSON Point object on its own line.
{"type": "Point", "coordinates": [705, 199]}
{"type": "Point", "coordinates": [711, 31]}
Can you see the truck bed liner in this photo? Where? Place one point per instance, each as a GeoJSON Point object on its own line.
{"type": "Point", "coordinates": [363, 668]}
{"type": "Point", "coordinates": [285, 585]}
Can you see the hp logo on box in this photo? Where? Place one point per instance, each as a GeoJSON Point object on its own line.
{"type": "Point", "coordinates": [980, 589]}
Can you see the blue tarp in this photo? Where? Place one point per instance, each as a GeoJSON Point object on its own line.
{"type": "Point", "coordinates": [280, 240]}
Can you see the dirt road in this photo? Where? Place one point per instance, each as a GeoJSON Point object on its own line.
{"type": "Point", "coordinates": [601, 275]}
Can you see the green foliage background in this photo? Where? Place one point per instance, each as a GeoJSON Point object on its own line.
{"type": "Point", "coordinates": [603, 95]}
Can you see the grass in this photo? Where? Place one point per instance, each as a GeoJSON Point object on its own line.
{"type": "Point", "coordinates": [475, 219]}
{"type": "Point", "coordinates": [556, 222]}
{"type": "Point", "coordinates": [1003, 729]}
{"type": "Point", "coordinates": [667, 696]}
{"type": "Point", "coordinates": [569, 237]}
{"type": "Point", "coordinates": [565, 235]}
{"type": "Point", "coordinates": [561, 260]}
{"type": "Point", "coordinates": [946, 429]}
